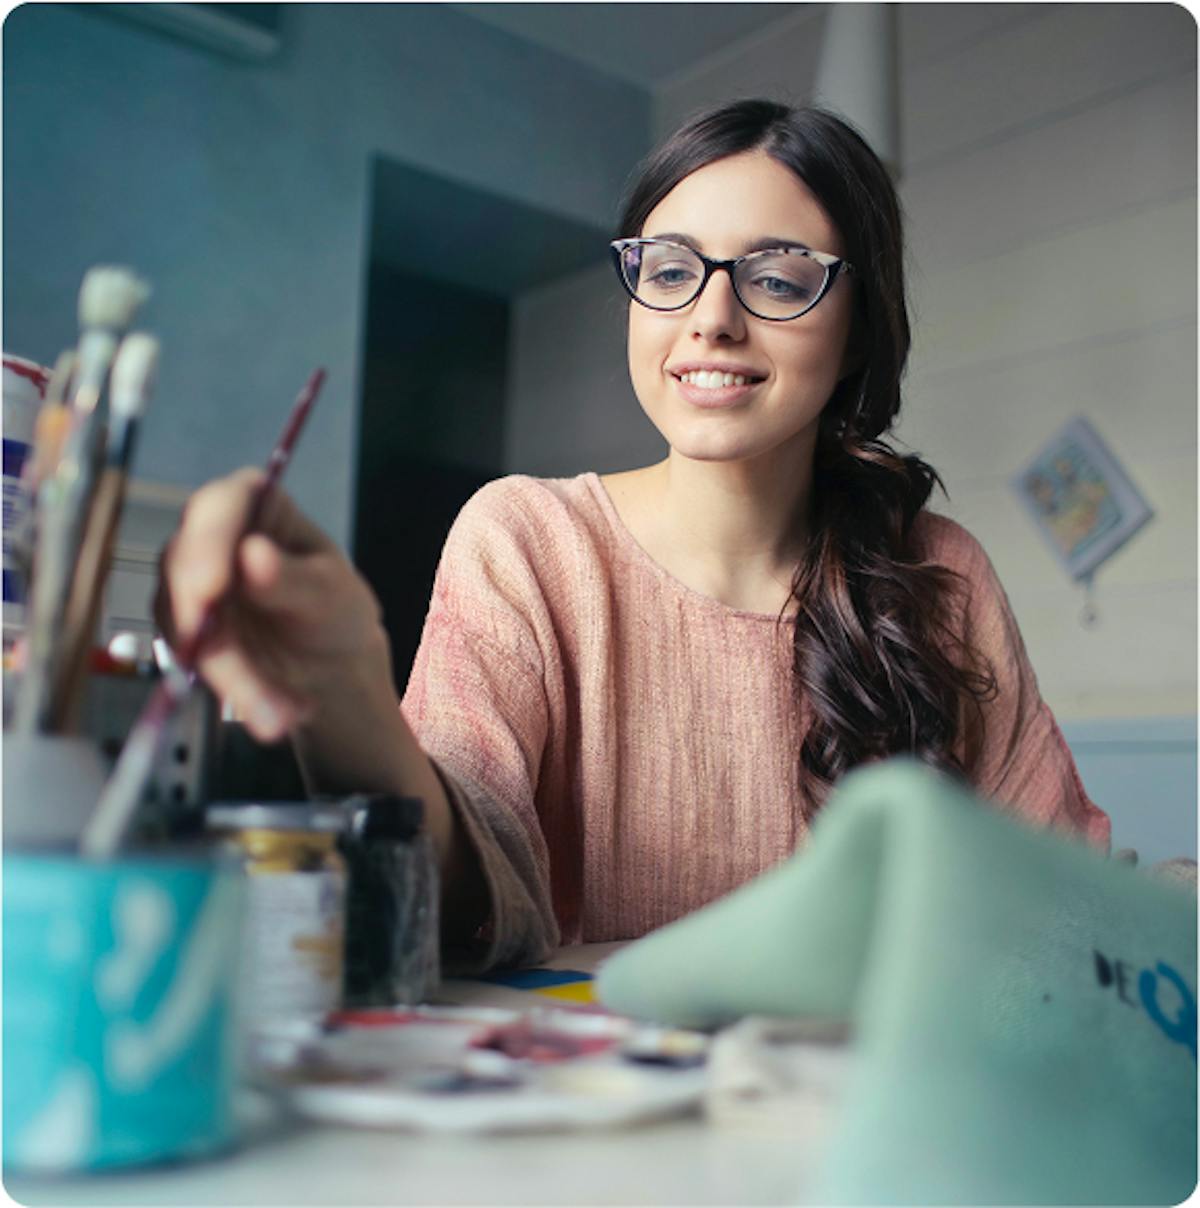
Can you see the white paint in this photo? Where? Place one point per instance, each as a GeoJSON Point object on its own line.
{"type": "Point", "coordinates": [62, 1135]}
{"type": "Point", "coordinates": [134, 1053]}
{"type": "Point", "coordinates": [143, 919]}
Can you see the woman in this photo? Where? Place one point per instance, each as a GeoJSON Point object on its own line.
{"type": "Point", "coordinates": [633, 692]}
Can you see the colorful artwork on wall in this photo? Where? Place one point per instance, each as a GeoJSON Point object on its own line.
{"type": "Point", "coordinates": [1083, 502]}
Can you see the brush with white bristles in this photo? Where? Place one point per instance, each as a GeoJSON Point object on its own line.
{"type": "Point", "coordinates": [49, 432]}
{"type": "Point", "coordinates": [108, 301]}
{"type": "Point", "coordinates": [133, 375]}
{"type": "Point", "coordinates": [116, 811]}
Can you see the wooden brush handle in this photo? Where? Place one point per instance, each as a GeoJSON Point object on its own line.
{"type": "Point", "coordinates": [85, 601]}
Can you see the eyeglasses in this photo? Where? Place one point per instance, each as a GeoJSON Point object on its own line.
{"type": "Point", "coordinates": [777, 284]}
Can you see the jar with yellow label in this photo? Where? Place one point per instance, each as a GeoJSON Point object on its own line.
{"type": "Point", "coordinates": [296, 907]}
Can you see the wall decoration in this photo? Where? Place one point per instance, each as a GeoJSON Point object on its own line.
{"type": "Point", "coordinates": [1084, 504]}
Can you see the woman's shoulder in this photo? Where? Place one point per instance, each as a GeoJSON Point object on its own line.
{"type": "Point", "coordinates": [536, 520]}
{"type": "Point", "coordinates": [947, 543]}
{"type": "Point", "coordinates": [523, 505]}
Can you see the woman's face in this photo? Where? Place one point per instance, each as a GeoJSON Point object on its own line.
{"type": "Point", "coordinates": [724, 210]}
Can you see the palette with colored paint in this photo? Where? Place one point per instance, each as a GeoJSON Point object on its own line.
{"type": "Point", "coordinates": [483, 1069]}
{"type": "Point", "coordinates": [566, 985]}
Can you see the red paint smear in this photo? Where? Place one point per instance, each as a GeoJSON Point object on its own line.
{"type": "Point", "coordinates": [533, 1043]}
{"type": "Point", "coordinates": [384, 1018]}
{"type": "Point", "coordinates": [38, 375]}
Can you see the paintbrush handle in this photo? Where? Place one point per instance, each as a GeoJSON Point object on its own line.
{"type": "Point", "coordinates": [110, 821]}
{"type": "Point", "coordinates": [277, 463]}
{"type": "Point", "coordinates": [109, 824]}
{"type": "Point", "coordinates": [84, 603]}
{"type": "Point", "coordinates": [63, 511]}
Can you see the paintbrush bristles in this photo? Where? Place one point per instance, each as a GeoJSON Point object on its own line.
{"type": "Point", "coordinates": [133, 375]}
{"type": "Point", "coordinates": [110, 296]}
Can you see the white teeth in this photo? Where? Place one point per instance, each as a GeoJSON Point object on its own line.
{"type": "Point", "coordinates": [712, 379]}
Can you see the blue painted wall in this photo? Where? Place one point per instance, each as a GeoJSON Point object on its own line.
{"type": "Point", "coordinates": [241, 190]}
{"type": "Point", "coordinates": [1142, 772]}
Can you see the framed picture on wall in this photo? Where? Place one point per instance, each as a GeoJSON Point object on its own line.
{"type": "Point", "coordinates": [1080, 498]}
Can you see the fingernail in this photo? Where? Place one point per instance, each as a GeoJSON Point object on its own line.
{"type": "Point", "coordinates": [267, 718]}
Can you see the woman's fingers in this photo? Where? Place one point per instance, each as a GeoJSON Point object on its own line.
{"type": "Point", "coordinates": [199, 564]}
{"type": "Point", "coordinates": [296, 586]}
{"type": "Point", "coordinates": [199, 560]}
{"type": "Point", "coordinates": [267, 710]}
{"type": "Point", "coordinates": [326, 603]}
{"type": "Point", "coordinates": [291, 612]}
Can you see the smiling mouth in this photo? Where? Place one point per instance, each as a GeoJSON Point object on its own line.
{"type": "Point", "coordinates": [711, 379]}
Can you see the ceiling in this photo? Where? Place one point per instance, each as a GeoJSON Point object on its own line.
{"type": "Point", "coordinates": [644, 44]}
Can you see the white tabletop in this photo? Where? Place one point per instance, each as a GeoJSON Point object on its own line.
{"type": "Point", "coordinates": [680, 1161]}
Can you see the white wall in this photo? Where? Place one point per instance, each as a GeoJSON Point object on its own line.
{"type": "Point", "coordinates": [571, 406]}
{"type": "Point", "coordinates": [1050, 186]}
{"type": "Point", "coordinates": [1049, 180]}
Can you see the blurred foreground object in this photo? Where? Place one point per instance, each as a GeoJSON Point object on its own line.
{"type": "Point", "coordinates": [24, 389]}
{"type": "Point", "coordinates": [1024, 1009]}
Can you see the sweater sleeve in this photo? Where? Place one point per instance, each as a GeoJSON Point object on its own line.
{"type": "Point", "coordinates": [1023, 762]}
{"type": "Point", "coordinates": [477, 704]}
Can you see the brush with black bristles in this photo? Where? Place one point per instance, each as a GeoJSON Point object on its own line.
{"type": "Point", "coordinates": [133, 374]}
{"type": "Point", "coordinates": [108, 300]}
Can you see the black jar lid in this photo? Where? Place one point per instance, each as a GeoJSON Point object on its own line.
{"type": "Point", "coordinates": [384, 816]}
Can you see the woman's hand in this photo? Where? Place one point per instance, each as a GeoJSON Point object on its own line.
{"type": "Point", "coordinates": [299, 648]}
{"type": "Point", "coordinates": [295, 624]}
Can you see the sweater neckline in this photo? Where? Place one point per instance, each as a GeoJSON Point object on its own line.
{"type": "Point", "coordinates": [626, 538]}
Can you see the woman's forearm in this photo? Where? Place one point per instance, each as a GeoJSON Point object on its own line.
{"type": "Point", "coordinates": [356, 740]}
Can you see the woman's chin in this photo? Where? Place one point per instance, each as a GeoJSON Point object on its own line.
{"type": "Point", "coordinates": [715, 451]}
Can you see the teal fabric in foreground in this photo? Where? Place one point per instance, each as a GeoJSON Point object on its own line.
{"type": "Point", "coordinates": [1023, 1008]}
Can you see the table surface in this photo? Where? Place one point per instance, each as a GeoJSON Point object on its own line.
{"type": "Point", "coordinates": [679, 1161]}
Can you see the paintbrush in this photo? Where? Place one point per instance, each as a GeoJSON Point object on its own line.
{"type": "Point", "coordinates": [108, 300]}
{"type": "Point", "coordinates": [109, 824]}
{"type": "Point", "coordinates": [49, 432]}
{"type": "Point", "coordinates": [129, 390]}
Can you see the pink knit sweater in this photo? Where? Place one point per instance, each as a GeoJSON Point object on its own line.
{"type": "Point", "coordinates": [622, 749]}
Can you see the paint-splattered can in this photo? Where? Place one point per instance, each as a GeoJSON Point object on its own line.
{"type": "Point", "coordinates": [24, 389]}
{"type": "Point", "coordinates": [296, 907]}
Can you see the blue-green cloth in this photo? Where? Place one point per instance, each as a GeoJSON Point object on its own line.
{"type": "Point", "coordinates": [1023, 1009]}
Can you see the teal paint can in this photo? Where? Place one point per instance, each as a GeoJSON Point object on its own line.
{"type": "Point", "coordinates": [120, 1033]}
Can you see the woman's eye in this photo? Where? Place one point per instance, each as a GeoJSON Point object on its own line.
{"type": "Point", "coordinates": [669, 277]}
{"type": "Point", "coordinates": [780, 287]}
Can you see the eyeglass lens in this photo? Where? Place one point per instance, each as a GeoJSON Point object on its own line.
{"type": "Point", "coordinates": [775, 285]}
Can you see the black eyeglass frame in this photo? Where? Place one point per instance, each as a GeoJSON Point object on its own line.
{"type": "Point", "coordinates": [834, 266]}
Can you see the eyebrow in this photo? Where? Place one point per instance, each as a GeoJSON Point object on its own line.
{"type": "Point", "coordinates": [765, 244]}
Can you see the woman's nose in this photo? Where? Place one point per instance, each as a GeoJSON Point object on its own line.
{"type": "Point", "coordinates": [717, 313]}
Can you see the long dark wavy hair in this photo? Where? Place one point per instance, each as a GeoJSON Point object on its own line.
{"type": "Point", "coordinates": [876, 656]}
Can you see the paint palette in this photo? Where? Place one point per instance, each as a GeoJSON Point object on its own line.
{"type": "Point", "coordinates": [488, 1070]}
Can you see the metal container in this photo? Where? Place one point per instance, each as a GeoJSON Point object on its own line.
{"type": "Point", "coordinates": [294, 949]}
{"type": "Point", "coordinates": [121, 1008]}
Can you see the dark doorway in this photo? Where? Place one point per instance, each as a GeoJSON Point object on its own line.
{"type": "Point", "coordinates": [445, 261]}
{"type": "Point", "coordinates": [432, 434]}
